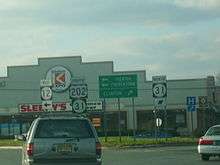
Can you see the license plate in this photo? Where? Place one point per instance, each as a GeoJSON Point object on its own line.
{"type": "Point", "coordinates": [64, 148]}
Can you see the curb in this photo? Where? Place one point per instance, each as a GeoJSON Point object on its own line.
{"type": "Point", "coordinates": [10, 147]}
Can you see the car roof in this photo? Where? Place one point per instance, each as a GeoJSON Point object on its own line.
{"type": "Point", "coordinates": [216, 126]}
{"type": "Point", "coordinates": [62, 116]}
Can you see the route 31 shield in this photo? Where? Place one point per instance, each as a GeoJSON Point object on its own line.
{"type": "Point", "coordinates": [79, 105]}
{"type": "Point", "coordinates": [159, 90]}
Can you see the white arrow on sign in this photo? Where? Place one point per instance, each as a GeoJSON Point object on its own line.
{"type": "Point", "coordinates": [160, 103]}
{"type": "Point", "coordinates": [47, 105]}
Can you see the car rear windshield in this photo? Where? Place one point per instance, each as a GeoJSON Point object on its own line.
{"type": "Point", "coordinates": [213, 131]}
{"type": "Point", "coordinates": [64, 128]}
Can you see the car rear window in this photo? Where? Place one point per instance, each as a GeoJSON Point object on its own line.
{"type": "Point", "coordinates": [63, 128]}
{"type": "Point", "coordinates": [213, 131]}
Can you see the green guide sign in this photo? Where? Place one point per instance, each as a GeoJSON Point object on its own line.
{"type": "Point", "coordinates": [118, 86]}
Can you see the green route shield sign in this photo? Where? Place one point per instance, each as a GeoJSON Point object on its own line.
{"type": "Point", "coordinates": [118, 86]}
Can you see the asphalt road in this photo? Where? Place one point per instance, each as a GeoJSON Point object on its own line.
{"type": "Point", "coordinates": [10, 156]}
{"type": "Point", "coordinates": [151, 156]}
{"type": "Point", "coordinates": [156, 156]}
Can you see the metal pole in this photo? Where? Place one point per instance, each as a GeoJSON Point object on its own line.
{"type": "Point", "coordinates": [192, 121]}
{"type": "Point", "coordinates": [155, 121]}
{"type": "Point", "coordinates": [105, 121]}
{"type": "Point", "coordinates": [165, 122]}
{"type": "Point", "coordinates": [119, 120]}
{"type": "Point", "coordinates": [134, 130]}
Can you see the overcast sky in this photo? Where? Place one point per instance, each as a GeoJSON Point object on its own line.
{"type": "Point", "coordinates": [177, 38]}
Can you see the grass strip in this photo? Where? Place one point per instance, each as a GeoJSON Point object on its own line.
{"type": "Point", "coordinates": [125, 142]}
{"type": "Point", "coordinates": [10, 142]}
{"type": "Point", "coordinates": [129, 141]}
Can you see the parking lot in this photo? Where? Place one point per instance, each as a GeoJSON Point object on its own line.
{"type": "Point", "coordinates": [152, 156]}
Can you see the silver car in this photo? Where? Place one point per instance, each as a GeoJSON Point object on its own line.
{"type": "Point", "coordinates": [209, 144]}
{"type": "Point", "coordinates": [61, 140]}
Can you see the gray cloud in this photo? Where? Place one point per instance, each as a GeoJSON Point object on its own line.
{"type": "Point", "coordinates": [97, 13]}
{"type": "Point", "coordinates": [174, 54]}
{"type": "Point", "coordinates": [109, 30]}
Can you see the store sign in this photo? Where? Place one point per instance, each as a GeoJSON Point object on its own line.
{"type": "Point", "coordinates": [58, 107]}
{"type": "Point", "coordinates": [61, 78]}
{"type": "Point", "coordinates": [32, 108]}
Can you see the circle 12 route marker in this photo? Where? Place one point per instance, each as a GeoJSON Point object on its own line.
{"type": "Point", "coordinates": [46, 93]}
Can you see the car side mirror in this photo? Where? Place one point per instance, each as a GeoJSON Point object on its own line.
{"type": "Point", "coordinates": [22, 137]}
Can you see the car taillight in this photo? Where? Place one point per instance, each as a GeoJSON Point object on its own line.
{"type": "Point", "coordinates": [30, 148]}
{"type": "Point", "coordinates": [98, 149]}
{"type": "Point", "coordinates": [205, 142]}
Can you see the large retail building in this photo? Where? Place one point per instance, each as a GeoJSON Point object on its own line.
{"type": "Point", "coordinates": [21, 101]}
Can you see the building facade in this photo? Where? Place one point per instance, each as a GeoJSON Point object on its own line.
{"type": "Point", "coordinates": [21, 99]}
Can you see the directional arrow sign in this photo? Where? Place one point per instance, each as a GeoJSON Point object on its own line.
{"type": "Point", "coordinates": [191, 108]}
{"type": "Point", "coordinates": [160, 103]}
{"type": "Point", "coordinates": [159, 90]}
{"type": "Point", "coordinates": [47, 105]}
{"type": "Point", "coordinates": [118, 86]}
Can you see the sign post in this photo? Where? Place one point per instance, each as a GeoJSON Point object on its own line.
{"type": "Point", "coordinates": [119, 119]}
{"type": "Point", "coordinates": [78, 93]}
{"type": "Point", "coordinates": [46, 94]}
{"type": "Point", "coordinates": [104, 120]}
{"type": "Point", "coordinates": [118, 86]}
{"type": "Point", "coordinates": [159, 91]}
{"type": "Point", "coordinates": [133, 110]}
{"type": "Point", "coordinates": [191, 107]}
